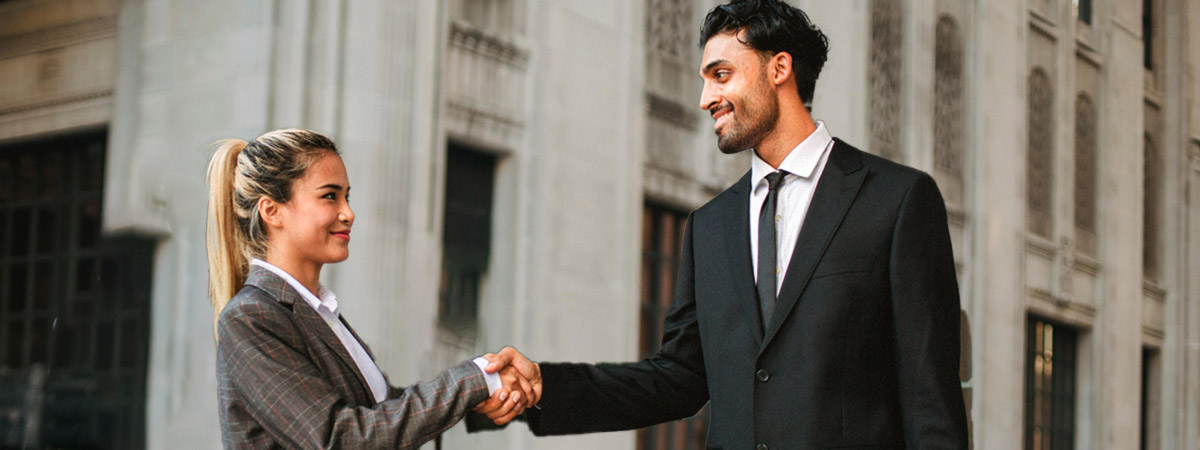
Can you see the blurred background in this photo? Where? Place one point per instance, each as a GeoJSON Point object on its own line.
{"type": "Point", "coordinates": [522, 170]}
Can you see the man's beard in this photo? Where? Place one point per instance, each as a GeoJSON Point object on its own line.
{"type": "Point", "coordinates": [751, 123]}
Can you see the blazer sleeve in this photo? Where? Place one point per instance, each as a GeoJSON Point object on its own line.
{"type": "Point", "coordinates": [925, 308]}
{"type": "Point", "coordinates": [285, 393]}
{"type": "Point", "coordinates": [671, 385]}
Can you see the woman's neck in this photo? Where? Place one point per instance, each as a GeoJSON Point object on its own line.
{"type": "Point", "coordinates": [307, 273]}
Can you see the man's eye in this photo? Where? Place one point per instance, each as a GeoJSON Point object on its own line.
{"type": "Point", "coordinates": [722, 75]}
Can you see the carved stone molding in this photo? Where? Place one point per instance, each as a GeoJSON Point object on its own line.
{"type": "Point", "coordinates": [886, 66]}
{"type": "Point", "coordinates": [58, 36]}
{"type": "Point", "coordinates": [670, 111]}
{"type": "Point", "coordinates": [56, 101]}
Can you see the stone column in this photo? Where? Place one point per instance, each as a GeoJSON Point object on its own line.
{"type": "Point", "coordinates": [997, 308]}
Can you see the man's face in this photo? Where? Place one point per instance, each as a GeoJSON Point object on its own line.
{"type": "Point", "coordinates": [737, 93]}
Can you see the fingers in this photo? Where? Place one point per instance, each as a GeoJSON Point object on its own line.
{"type": "Point", "coordinates": [507, 408]}
{"type": "Point", "coordinates": [498, 361]}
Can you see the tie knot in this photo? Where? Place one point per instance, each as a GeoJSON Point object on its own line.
{"type": "Point", "coordinates": [775, 179]}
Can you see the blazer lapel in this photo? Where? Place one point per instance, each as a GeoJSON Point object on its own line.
{"type": "Point", "coordinates": [737, 245]}
{"type": "Point", "coordinates": [311, 323]}
{"type": "Point", "coordinates": [835, 192]}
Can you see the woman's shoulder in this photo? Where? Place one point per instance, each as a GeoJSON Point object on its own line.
{"type": "Point", "coordinates": [252, 307]}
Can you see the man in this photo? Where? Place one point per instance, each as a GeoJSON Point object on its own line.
{"type": "Point", "coordinates": [816, 304]}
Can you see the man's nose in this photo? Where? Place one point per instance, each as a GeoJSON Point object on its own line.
{"type": "Point", "coordinates": [709, 98]}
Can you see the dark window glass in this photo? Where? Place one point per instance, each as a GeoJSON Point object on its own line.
{"type": "Point", "coordinates": [59, 328]}
{"type": "Point", "coordinates": [466, 233]}
{"type": "Point", "coordinates": [1049, 386]}
{"type": "Point", "coordinates": [662, 237]}
{"type": "Point", "coordinates": [1085, 11]}
{"type": "Point", "coordinates": [1148, 34]}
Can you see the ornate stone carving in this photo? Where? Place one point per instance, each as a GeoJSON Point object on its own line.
{"type": "Point", "coordinates": [1085, 173]}
{"type": "Point", "coordinates": [948, 95]}
{"type": "Point", "coordinates": [485, 85]}
{"type": "Point", "coordinates": [884, 77]}
{"type": "Point", "coordinates": [668, 28]}
{"type": "Point", "coordinates": [1039, 180]}
{"type": "Point", "coordinates": [1152, 173]}
{"type": "Point", "coordinates": [948, 110]}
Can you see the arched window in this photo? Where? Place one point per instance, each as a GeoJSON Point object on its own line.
{"type": "Point", "coordinates": [1039, 180]}
{"type": "Point", "coordinates": [948, 108]}
{"type": "Point", "coordinates": [1152, 172]}
{"type": "Point", "coordinates": [1085, 174]}
{"type": "Point", "coordinates": [884, 77]}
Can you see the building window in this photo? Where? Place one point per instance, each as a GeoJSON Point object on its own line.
{"type": "Point", "coordinates": [1049, 386]}
{"type": "Point", "coordinates": [466, 233]}
{"type": "Point", "coordinates": [74, 306]}
{"type": "Point", "coordinates": [1148, 34]}
{"type": "Point", "coordinates": [1085, 174]}
{"type": "Point", "coordinates": [495, 16]}
{"type": "Point", "coordinates": [1150, 400]}
{"type": "Point", "coordinates": [662, 236]}
{"type": "Point", "coordinates": [1083, 10]}
{"type": "Point", "coordinates": [887, 37]}
{"type": "Point", "coordinates": [1039, 181]}
{"type": "Point", "coordinates": [948, 109]}
{"type": "Point", "coordinates": [1152, 209]}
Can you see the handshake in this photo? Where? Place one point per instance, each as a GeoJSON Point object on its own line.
{"type": "Point", "coordinates": [521, 386]}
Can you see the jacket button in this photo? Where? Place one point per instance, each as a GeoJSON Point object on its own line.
{"type": "Point", "coordinates": [761, 447]}
{"type": "Point", "coordinates": [763, 376]}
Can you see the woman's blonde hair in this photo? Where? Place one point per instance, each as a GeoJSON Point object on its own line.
{"type": "Point", "coordinates": [239, 175]}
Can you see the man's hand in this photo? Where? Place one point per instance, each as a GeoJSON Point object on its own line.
{"type": "Point", "coordinates": [522, 386]}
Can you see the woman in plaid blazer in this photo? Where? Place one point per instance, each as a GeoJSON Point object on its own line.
{"type": "Point", "coordinates": [291, 372]}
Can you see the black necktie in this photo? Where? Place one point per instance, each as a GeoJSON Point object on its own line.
{"type": "Point", "coordinates": [767, 265]}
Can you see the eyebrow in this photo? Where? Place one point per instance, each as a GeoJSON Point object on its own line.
{"type": "Point", "coordinates": [336, 187]}
{"type": "Point", "coordinates": [709, 67]}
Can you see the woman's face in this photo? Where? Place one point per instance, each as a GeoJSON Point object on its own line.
{"type": "Point", "coordinates": [316, 221]}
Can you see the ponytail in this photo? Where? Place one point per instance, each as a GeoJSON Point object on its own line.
{"type": "Point", "coordinates": [239, 175]}
{"type": "Point", "coordinates": [228, 262]}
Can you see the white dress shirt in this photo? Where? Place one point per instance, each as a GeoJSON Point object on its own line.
{"type": "Point", "coordinates": [327, 307]}
{"type": "Point", "coordinates": [804, 165]}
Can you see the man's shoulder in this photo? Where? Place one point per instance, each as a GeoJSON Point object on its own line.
{"type": "Point", "coordinates": [882, 168]}
{"type": "Point", "coordinates": [726, 199]}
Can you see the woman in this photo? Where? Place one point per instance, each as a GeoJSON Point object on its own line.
{"type": "Point", "coordinates": [291, 372]}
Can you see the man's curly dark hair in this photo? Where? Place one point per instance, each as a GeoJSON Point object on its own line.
{"type": "Point", "coordinates": [772, 26]}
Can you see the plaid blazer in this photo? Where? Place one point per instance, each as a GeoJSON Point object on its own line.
{"type": "Point", "coordinates": [286, 381]}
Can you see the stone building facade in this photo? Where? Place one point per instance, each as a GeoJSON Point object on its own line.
{"type": "Point", "coordinates": [522, 169]}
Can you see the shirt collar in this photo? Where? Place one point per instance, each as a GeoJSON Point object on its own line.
{"type": "Point", "coordinates": [326, 297]}
{"type": "Point", "coordinates": [801, 161]}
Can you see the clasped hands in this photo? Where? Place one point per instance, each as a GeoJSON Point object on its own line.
{"type": "Point", "coordinates": [521, 381]}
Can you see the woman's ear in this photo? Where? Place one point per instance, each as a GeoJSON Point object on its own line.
{"type": "Point", "coordinates": [271, 212]}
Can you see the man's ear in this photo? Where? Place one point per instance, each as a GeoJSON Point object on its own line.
{"type": "Point", "coordinates": [780, 66]}
{"type": "Point", "coordinates": [271, 212]}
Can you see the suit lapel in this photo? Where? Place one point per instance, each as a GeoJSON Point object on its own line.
{"type": "Point", "coordinates": [835, 193]}
{"type": "Point", "coordinates": [311, 323]}
{"type": "Point", "coordinates": [737, 244]}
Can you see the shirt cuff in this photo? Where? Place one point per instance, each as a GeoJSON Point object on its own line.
{"type": "Point", "coordinates": [492, 379]}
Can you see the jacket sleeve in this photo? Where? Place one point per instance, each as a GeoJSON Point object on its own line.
{"type": "Point", "coordinates": [283, 391]}
{"type": "Point", "coordinates": [925, 308]}
{"type": "Point", "coordinates": [671, 385]}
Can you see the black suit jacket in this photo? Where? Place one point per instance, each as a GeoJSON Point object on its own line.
{"type": "Point", "coordinates": [862, 350]}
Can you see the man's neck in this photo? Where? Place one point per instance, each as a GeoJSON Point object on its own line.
{"type": "Point", "coordinates": [788, 134]}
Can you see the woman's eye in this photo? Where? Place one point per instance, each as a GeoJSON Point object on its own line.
{"type": "Point", "coordinates": [331, 196]}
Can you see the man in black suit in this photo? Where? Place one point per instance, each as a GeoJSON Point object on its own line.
{"type": "Point", "coordinates": [816, 305]}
